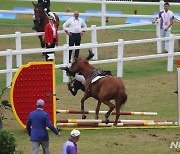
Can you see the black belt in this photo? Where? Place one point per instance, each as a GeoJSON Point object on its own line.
{"type": "Point", "coordinates": [75, 33]}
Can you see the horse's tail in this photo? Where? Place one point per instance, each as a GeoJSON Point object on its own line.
{"type": "Point", "coordinates": [123, 98]}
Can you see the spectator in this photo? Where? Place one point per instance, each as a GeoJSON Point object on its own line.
{"type": "Point", "coordinates": [39, 120]}
{"type": "Point", "coordinates": [51, 37]}
{"type": "Point", "coordinates": [166, 21]}
{"type": "Point", "coordinates": [70, 146]}
{"type": "Point", "coordinates": [76, 29]}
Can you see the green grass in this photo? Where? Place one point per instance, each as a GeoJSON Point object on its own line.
{"type": "Point", "coordinates": [149, 86]}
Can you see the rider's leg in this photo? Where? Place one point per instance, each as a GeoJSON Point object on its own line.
{"type": "Point", "coordinates": [80, 78]}
{"type": "Point", "coordinates": [34, 28]}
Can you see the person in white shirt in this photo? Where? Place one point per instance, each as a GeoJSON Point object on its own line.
{"type": "Point", "coordinates": [74, 28]}
{"type": "Point", "coordinates": [166, 21]}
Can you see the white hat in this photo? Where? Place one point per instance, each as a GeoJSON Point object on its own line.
{"type": "Point", "coordinates": [75, 133]}
{"type": "Point", "coordinates": [52, 15]}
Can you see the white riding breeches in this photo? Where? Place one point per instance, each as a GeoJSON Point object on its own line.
{"type": "Point", "coordinates": [80, 78]}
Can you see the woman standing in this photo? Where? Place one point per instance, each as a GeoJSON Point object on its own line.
{"type": "Point", "coordinates": [51, 37]}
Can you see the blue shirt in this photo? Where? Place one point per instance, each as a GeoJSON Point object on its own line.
{"type": "Point", "coordinates": [69, 147]}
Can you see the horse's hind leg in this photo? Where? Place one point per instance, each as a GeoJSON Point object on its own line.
{"type": "Point", "coordinates": [118, 107]}
{"type": "Point", "coordinates": [111, 108]}
{"type": "Point", "coordinates": [97, 109]}
{"type": "Point", "coordinates": [119, 103]}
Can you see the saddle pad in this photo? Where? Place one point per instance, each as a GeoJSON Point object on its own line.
{"type": "Point", "coordinates": [97, 78]}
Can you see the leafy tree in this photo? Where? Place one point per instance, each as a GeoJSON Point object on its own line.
{"type": "Point", "coordinates": [7, 142]}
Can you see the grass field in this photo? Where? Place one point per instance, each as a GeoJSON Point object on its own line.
{"type": "Point", "coordinates": [149, 86]}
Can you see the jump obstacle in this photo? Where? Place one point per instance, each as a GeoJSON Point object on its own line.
{"type": "Point", "coordinates": [37, 80]}
{"type": "Point", "coordinates": [104, 112]}
{"type": "Point", "coordinates": [101, 123]}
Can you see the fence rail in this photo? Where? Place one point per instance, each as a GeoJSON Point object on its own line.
{"type": "Point", "coordinates": [103, 3]}
{"type": "Point", "coordinates": [93, 29]}
{"type": "Point", "coordinates": [120, 59]}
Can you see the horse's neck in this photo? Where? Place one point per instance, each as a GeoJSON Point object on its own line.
{"type": "Point", "coordinates": [45, 17]}
{"type": "Point", "coordinates": [86, 71]}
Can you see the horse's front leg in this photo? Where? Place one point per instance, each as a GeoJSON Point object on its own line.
{"type": "Point", "coordinates": [97, 109]}
{"type": "Point", "coordinates": [41, 41]}
{"type": "Point", "coordinates": [86, 96]}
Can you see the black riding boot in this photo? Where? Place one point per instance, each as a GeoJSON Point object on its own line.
{"type": "Point", "coordinates": [68, 72]}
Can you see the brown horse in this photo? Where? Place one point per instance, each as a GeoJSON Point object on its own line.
{"type": "Point", "coordinates": [41, 19]}
{"type": "Point", "coordinates": [104, 90]}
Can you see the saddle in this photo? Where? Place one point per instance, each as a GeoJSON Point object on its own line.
{"type": "Point", "coordinates": [95, 73]}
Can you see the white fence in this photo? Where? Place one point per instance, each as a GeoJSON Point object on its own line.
{"type": "Point", "coordinates": [18, 37]}
{"type": "Point", "coordinates": [104, 4]}
{"type": "Point", "coordinates": [120, 59]}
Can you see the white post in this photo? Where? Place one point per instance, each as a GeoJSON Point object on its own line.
{"type": "Point", "coordinates": [120, 58]}
{"type": "Point", "coordinates": [67, 39]}
{"type": "Point", "coordinates": [178, 103]}
{"type": "Point", "coordinates": [18, 48]}
{"type": "Point", "coordinates": [171, 53]}
{"type": "Point", "coordinates": [66, 62]}
{"type": "Point", "coordinates": [161, 5]}
{"type": "Point", "coordinates": [94, 41]}
{"type": "Point", "coordinates": [103, 11]}
{"type": "Point", "coordinates": [158, 33]}
{"type": "Point", "coordinates": [9, 68]}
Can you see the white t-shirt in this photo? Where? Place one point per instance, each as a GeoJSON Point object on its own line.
{"type": "Point", "coordinates": [165, 18]}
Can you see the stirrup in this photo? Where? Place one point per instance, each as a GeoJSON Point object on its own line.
{"type": "Point", "coordinates": [34, 28]}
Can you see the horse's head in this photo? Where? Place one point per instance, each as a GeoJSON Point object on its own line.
{"type": "Point", "coordinates": [38, 12]}
{"type": "Point", "coordinates": [81, 64]}
{"type": "Point", "coordinates": [77, 64]}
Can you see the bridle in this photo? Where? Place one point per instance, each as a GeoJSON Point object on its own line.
{"type": "Point", "coordinates": [38, 14]}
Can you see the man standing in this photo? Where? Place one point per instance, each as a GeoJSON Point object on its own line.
{"type": "Point", "coordinates": [76, 28]}
{"type": "Point", "coordinates": [70, 146]}
{"type": "Point", "coordinates": [166, 21]}
{"type": "Point", "coordinates": [36, 125]}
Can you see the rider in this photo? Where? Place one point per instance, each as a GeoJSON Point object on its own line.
{"type": "Point", "coordinates": [79, 80]}
{"type": "Point", "coordinates": [46, 6]}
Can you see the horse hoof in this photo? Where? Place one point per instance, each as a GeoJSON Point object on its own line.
{"type": "Point", "coordinates": [83, 116]}
{"type": "Point", "coordinates": [106, 121]}
{"type": "Point", "coordinates": [96, 117]}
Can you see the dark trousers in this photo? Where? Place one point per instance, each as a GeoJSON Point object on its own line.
{"type": "Point", "coordinates": [52, 45]}
{"type": "Point", "coordinates": [74, 39]}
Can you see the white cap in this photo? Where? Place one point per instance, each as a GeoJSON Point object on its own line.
{"type": "Point", "coordinates": [75, 133]}
{"type": "Point", "coordinates": [52, 15]}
